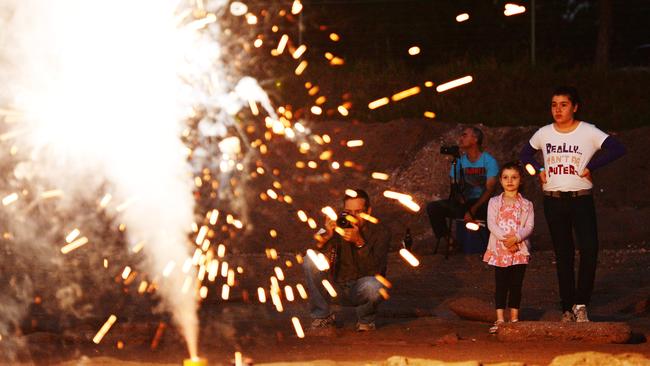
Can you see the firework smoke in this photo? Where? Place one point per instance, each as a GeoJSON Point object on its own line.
{"type": "Point", "coordinates": [98, 96]}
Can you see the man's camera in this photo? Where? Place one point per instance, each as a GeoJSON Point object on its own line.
{"type": "Point", "coordinates": [343, 222]}
{"type": "Point", "coordinates": [453, 150]}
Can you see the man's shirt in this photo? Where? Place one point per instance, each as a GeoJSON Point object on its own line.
{"type": "Point", "coordinates": [353, 263]}
{"type": "Point", "coordinates": [474, 175]}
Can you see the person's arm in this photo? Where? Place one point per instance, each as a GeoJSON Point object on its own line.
{"type": "Point", "coordinates": [375, 248]}
{"type": "Point", "coordinates": [612, 150]}
{"type": "Point", "coordinates": [527, 229]}
{"type": "Point", "coordinates": [527, 156]}
{"type": "Point", "coordinates": [492, 213]}
{"type": "Point", "coordinates": [490, 186]}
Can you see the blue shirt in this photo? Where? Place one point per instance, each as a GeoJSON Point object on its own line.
{"type": "Point", "coordinates": [475, 174]}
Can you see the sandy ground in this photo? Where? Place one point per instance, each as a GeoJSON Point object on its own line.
{"type": "Point", "coordinates": [414, 322]}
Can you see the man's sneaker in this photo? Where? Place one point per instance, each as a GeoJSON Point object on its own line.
{"type": "Point", "coordinates": [323, 323]}
{"type": "Point", "coordinates": [495, 327]}
{"type": "Point", "coordinates": [365, 327]}
{"type": "Point", "coordinates": [580, 312]}
{"type": "Point", "coordinates": [568, 317]}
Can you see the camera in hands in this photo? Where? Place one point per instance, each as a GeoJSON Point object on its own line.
{"type": "Point", "coordinates": [342, 221]}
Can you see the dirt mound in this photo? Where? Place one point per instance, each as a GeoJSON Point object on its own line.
{"type": "Point", "coordinates": [409, 151]}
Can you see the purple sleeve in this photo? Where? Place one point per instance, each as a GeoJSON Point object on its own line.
{"type": "Point", "coordinates": [527, 156]}
{"type": "Point", "coordinates": [612, 150]}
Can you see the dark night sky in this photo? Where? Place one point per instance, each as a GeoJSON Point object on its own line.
{"type": "Point", "coordinates": [565, 28]}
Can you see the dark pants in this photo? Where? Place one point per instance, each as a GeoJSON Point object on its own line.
{"type": "Point", "coordinates": [438, 211]}
{"type": "Point", "coordinates": [564, 216]}
{"type": "Point", "coordinates": [508, 281]}
{"type": "Point", "coordinates": [362, 293]}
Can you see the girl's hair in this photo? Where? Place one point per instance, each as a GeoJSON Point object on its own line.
{"type": "Point", "coordinates": [514, 165]}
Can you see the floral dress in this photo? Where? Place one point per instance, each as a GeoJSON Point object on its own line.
{"type": "Point", "coordinates": [509, 220]}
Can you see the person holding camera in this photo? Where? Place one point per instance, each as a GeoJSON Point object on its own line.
{"type": "Point", "coordinates": [568, 146]}
{"type": "Point", "coordinates": [358, 251]}
{"type": "Point", "coordinates": [473, 181]}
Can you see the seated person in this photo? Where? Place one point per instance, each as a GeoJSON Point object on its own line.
{"type": "Point", "coordinates": [473, 183]}
{"type": "Point", "coordinates": [357, 253]}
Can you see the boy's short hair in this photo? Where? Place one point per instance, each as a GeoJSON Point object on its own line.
{"type": "Point", "coordinates": [360, 193]}
{"type": "Point", "coordinates": [570, 91]}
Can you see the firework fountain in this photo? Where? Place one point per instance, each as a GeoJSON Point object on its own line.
{"type": "Point", "coordinates": [95, 99]}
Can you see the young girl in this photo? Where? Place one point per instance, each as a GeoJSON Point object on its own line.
{"type": "Point", "coordinates": [510, 220]}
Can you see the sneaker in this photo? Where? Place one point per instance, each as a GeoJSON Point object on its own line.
{"type": "Point", "coordinates": [365, 327]}
{"type": "Point", "coordinates": [323, 323]}
{"type": "Point", "coordinates": [568, 317]}
{"type": "Point", "coordinates": [494, 328]}
{"type": "Point", "coordinates": [580, 312]}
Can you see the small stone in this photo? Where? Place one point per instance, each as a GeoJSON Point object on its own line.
{"type": "Point", "coordinates": [451, 338]}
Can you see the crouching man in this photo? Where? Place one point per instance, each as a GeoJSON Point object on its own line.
{"type": "Point", "coordinates": [357, 250]}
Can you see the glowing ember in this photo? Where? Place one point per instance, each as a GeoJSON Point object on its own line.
{"type": "Point", "coordinates": [513, 9]}
{"type": "Point", "coordinates": [126, 272]}
{"type": "Point", "coordinates": [168, 268]}
{"type": "Point", "coordinates": [319, 260]}
{"type": "Point", "coordinates": [288, 293]}
{"type": "Point", "coordinates": [328, 286]}
{"type": "Point", "coordinates": [369, 218]}
{"type": "Point", "coordinates": [299, 51]}
{"type": "Point", "coordinates": [225, 291]}
{"type": "Point", "coordinates": [261, 295]}
{"type": "Point", "coordinates": [296, 7]}
{"type": "Point", "coordinates": [531, 169]}
{"type": "Point", "coordinates": [329, 212]}
{"type": "Point", "coordinates": [383, 281]}
{"type": "Point", "coordinates": [355, 143]}
{"type": "Point", "coordinates": [378, 103]}
{"type": "Point", "coordinates": [415, 50]}
{"type": "Point", "coordinates": [301, 291]}
{"type": "Point", "coordinates": [52, 194]}
{"type": "Point", "coordinates": [462, 17]}
{"type": "Point", "coordinates": [453, 84]}
{"type": "Point", "coordinates": [410, 258]}
{"type": "Point", "coordinates": [237, 8]}
{"type": "Point", "coordinates": [201, 236]}
{"type": "Point", "coordinates": [282, 44]}
{"type": "Point", "coordinates": [301, 67]}
{"type": "Point", "coordinates": [409, 204]}
{"type": "Point", "coordinates": [104, 329]}
{"type": "Point", "coordinates": [278, 273]}
{"type": "Point", "coordinates": [72, 236]}
{"type": "Point", "coordinates": [74, 245]}
{"type": "Point", "coordinates": [316, 110]}
{"type": "Point", "coordinates": [379, 176]}
{"type": "Point", "coordinates": [296, 325]}
{"type": "Point", "coordinates": [406, 93]}
{"type": "Point", "coordinates": [429, 114]}
{"type": "Point", "coordinates": [214, 216]}
{"type": "Point", "coordinates": [7, 200]}
{"type": "Point", "coordinates": [397, 195]}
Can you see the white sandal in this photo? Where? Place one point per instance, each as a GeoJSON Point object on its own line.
{"type": "Point", "coordinates": [495, 327]}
